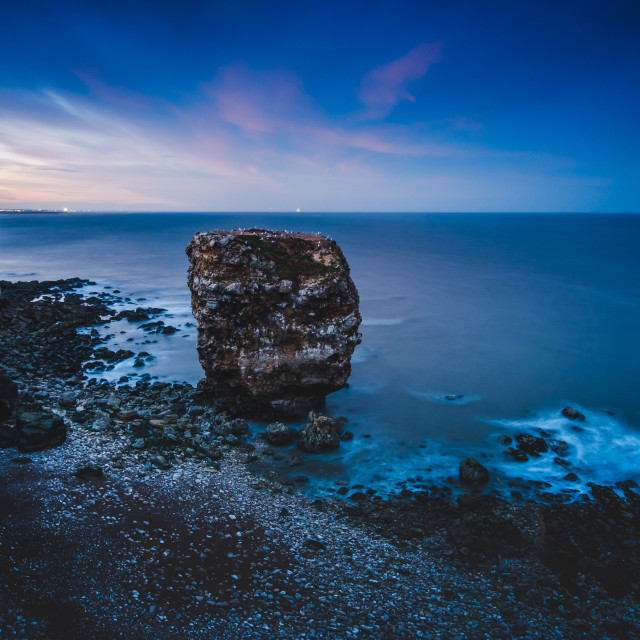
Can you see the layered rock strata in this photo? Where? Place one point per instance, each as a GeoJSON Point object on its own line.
{"type": "Point", "coordinates": [277, 317]}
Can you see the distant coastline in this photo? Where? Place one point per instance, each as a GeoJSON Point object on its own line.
{"type": "Point", "coordinates": [32, 211]}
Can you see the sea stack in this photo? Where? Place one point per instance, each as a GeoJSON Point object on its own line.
{"type": "Point", "coordinates": [277, 317]}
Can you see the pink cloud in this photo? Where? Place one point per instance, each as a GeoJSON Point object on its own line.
{"type": "Point", "coordinates": [383, 87]}
{"type": "Point", "coordinates": [255, 101]}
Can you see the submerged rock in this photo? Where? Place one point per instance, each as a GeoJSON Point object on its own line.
{"type": "Point", "coordinates": [277, 318]}
{"type": "Point", "coordinates": [472, 472]}
{"type": "Point", "coordinates": [573, 414]}
{"type": "Point", "coordinates": [531, 444]}
{"type": "Point", "coordinates": [320, 433]}
{"type": "Point", "coordinates": [517, 454]}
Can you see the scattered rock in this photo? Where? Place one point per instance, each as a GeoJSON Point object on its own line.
{"type": "Point", "coordinates": [314, 545]}
{"type": "Point", "coordinates": [573, 414]}
{"type": "Point", "coordinates": [90, 472]}
{"type": "Point", "coordinates": [67, 400]}
{"type": "Point", "coordinates": [279, 434]}
{"type": "Point", "coordinates": [531, 444]}
{"type": "Point", "coordinates": [517, 454]}
{"type": "Point", "coordinates": [559, 447]}
{"type": "Point", "coordinates": [160, 462]}
{"type": "Point", "coordinates": [472, 472]}
{"type": "Point", "coordinates": [320, 433]}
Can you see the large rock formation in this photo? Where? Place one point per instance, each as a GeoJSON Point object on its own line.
{"type": "Point", "coordinates": [277, 318]}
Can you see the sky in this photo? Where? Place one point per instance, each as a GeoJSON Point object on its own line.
{"type": "Point", "coordinates": [348, 105]}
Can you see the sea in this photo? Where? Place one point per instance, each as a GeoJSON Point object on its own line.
{"type": "Point", "coordinates": [475, 327]}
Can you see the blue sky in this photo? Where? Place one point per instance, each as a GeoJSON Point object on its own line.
{"type": "Point", "coordinates": [325, 106]}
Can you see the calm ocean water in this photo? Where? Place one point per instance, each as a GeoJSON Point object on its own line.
{"type": "Point", "coordinates": [521, 315]}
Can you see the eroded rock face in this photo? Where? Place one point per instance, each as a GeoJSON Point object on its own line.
{"type": "Point", "coordinates": [277, 318]}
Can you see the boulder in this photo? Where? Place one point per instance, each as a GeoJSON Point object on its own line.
{"type": "Point", "coordinates": [279, 434]}
{"type": "Point", "coordinates": [573, 414]}
{"type": "Point", "coordinates": [531, 444]}
{"type": "Point", "coordinates": [38, 430]}
{"type": "Point", "coordinates": [8, 396]}
{"type": "Point", "coordinates": [320, 433]}
{"type": "Point", "coordinates": [277, 317]}
{"type": "Point", "coordinates": [472, 472]}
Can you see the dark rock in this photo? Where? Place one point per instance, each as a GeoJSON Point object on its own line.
{"type": "Point", "coordinates": [357, 496]}
{"type": "Point", "coordinates": [160, 462]}
{"type": "Point", "coordinates": [505, 440]}
{"type": "Point", "coordinates": [102, 353]}
{"type": "Point", "coordinates": [531, 444]}
{"type": "Point", "coordinates": [8, 396]}
{"type": "Point", "coordinates": [572, 477]}
{"type": "Point", "coordinates": [559, 447]}
{"type": "Point", "coordinates": [89, 472]}
{"type": "Point", "coordinates": [39, 430]}
{"type": "Point", "coordinates": [8, 434]}
{"type": "Point", "coordinates": [212, 452]}
{"type": "Point", "coordinates": [517, 454]}
{"type": "Point", "coordinates": [67, 399]}
{"type": "Point", "coordinates": [300, 479]}
{"type": "Point", "coordinates": [279, 434]}
{"type": "Point", "coordinates": [346, 436]}
{"type": "Point", "coordinates": [472, 472]}
{"type": "Point", "coordinates": [277, 318]}
{"type": "Point", "coordinates": [239, 427]}
{"type": "Point", "coordinates": [562, 462]}
{"type": "Point", "coordinates": [314, 545]}
{"type": "Point", "coordinates": [169, 330]}
{"type": "Point", "coordinates": [320, 433]}
{"type": "Point", "coordinates": [342, 491]}
{"type": "Point", "coordinates": [573, 414]}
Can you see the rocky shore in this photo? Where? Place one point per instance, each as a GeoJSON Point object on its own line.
{"type": "Point", "coordinates": [140, 511]}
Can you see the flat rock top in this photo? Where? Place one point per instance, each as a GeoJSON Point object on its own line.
{"type": "Point", "coordinates": [286, 254]}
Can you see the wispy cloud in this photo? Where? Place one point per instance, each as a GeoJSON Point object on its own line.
{"type": "Point", "coordinates": [385, 86]}
{"type": "Point", "coordinates": [246, 140]}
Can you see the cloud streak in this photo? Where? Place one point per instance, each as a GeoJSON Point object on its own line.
{"type": "Point", "coordinates": [385, 86]}
{"type": "Point", "coordinates": [246, 140]}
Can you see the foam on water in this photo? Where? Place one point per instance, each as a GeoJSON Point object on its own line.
{"type": "Point", "coordinates": [443, 398]}
{"type": "Point", "coordinates": [175, 357]}
{"type": "Point", "coordinates": [381, 322]}
{"type": "Point", "coordinates": [602, 449]}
